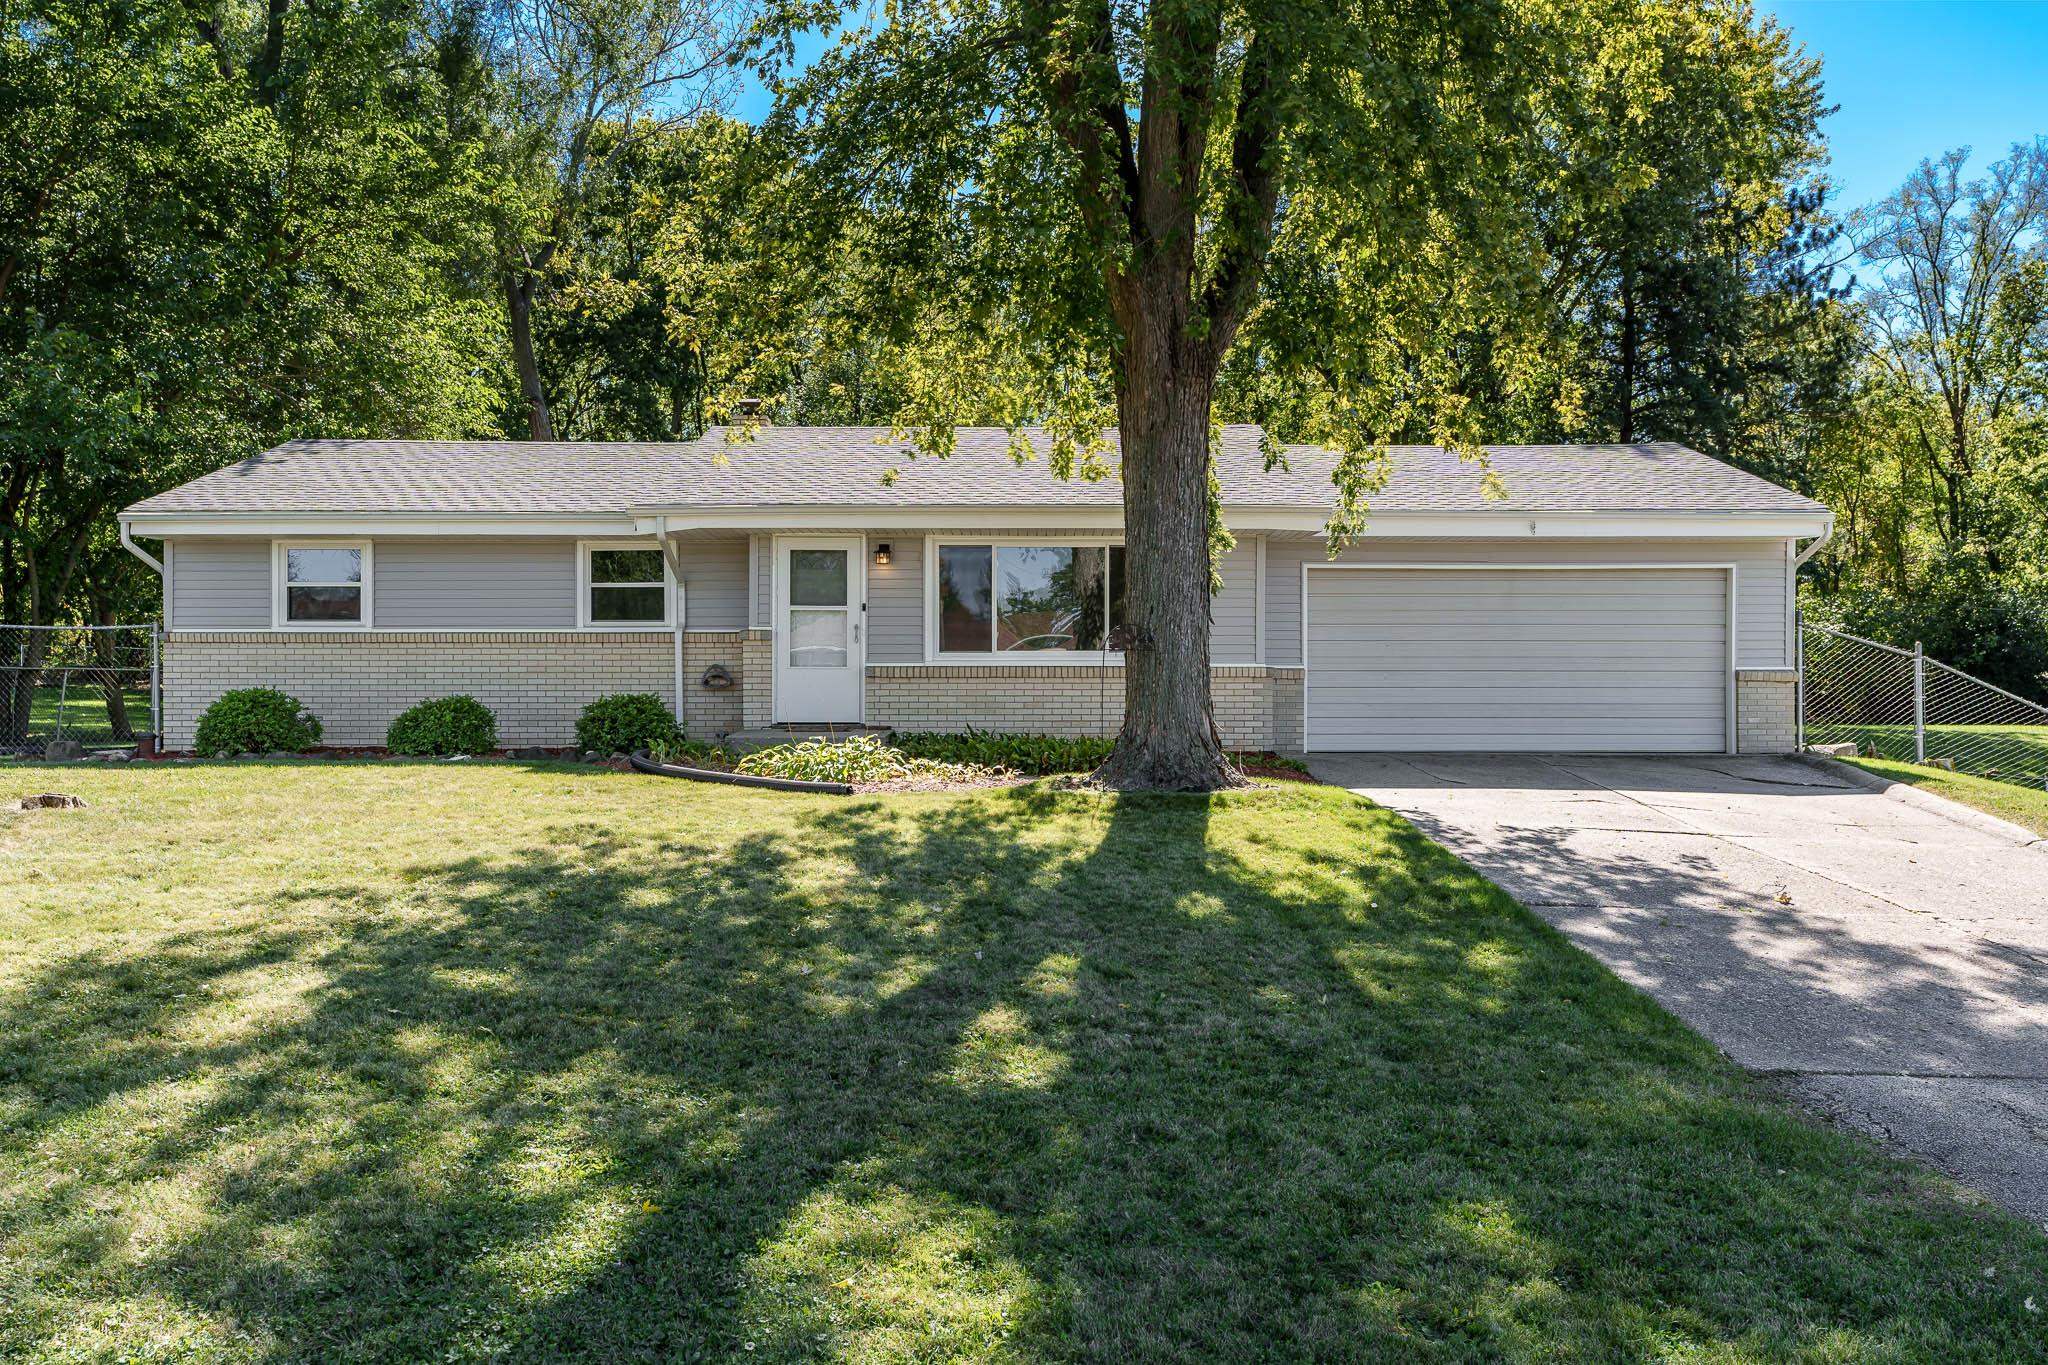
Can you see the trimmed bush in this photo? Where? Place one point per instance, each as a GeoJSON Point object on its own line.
{"type": "Point", "coordinates": [255, 720]}
{"type": "Point", "coordinates": [625, 721]}
{"type": "Point", "coordinates": [443, 727]}
{"type": "Point", "coordinates": [1033, 755]}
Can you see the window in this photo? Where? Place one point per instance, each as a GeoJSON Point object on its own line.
{"type": "Point", "coordinates": [625, 586]}
{"type": "Point", "coordinates": [1027, 599]}
{"type": "Point", "coordinates": [321, 585]}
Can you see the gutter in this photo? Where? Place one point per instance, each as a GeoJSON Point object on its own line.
{"type": "Point", "coordinates": [1827, 533]}
{"type": "Point", "coordinates": [128, 544]}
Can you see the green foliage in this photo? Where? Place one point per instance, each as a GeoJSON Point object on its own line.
{"type": "Point", "coordinates": [691, 753]}
{"type": "Point", "coordinates": [1035, 755]}
{"type": "Point", "coordinates": [624, 722]}
{"type": "Point", "coordinates": [861, 759]}
{"type": "Point", "coordinates": [1962, 615]}
{"type": "Point", "coordinates": [255, 720]}
{"type": "Point", "coordinates": [444, 726]}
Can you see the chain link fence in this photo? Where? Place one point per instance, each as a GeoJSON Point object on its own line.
{"type": "Point", "coordinates": [97, 685]}
{"type": "Point", "coordinates": [1899, 704]}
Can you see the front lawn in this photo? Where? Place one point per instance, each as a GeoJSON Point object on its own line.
{"type": "Point", "coordinates": [448, 1061]}
{"type": "Point", "coordinates": [2025, 806]}
{"type": "Point", "coordinates": [2012, 753]}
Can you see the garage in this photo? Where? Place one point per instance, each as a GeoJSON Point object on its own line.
{"type": "Point", "coordinates": [1487, 658]}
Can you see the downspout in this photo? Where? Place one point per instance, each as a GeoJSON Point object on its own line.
{"type": "Point", "coordinates": [1799, 637]}
{"type": "Point", "coordinates": [675, 571]}
{"type": "Point", "coordinates": [1827, 533]}
{"type": "Point", "coordinates": [128, 544]}
{"type": "Point", "coordinates": [156, 672]}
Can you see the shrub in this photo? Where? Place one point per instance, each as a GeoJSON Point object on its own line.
{"type": "Point", "coordinates": [625, 721]}
{"type": "Point", "coordinates": [444, 726]}
{"type": "Point", "coordinates": [1034, 755]}
{"type": "Point", "coordinates": [257, 720]}
{"type": "Point", "coordinates": [862, 758]}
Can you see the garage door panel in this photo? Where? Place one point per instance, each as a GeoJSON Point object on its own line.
{"type": "Point", "coordinates": [1559, 657]}
{"type": "Point", "coordinates": [1518, 659]}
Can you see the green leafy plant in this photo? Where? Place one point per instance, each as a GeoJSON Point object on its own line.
{"type": "Point", "coordinates": [863, 759]}
{"type": "Point", "coordinates": [1035, 755]}
{"type": "Point", "coordinates": [624, 722]}
{"type": "Point", "coordinates": [256, 720]}
{"type": "Point", "coordinates": [691, 753]}
{"type": "Point", "coordinates": [444, 726]}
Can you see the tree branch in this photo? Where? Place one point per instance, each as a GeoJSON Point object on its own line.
{"type": "Point", "coordinates": [1252, 199]}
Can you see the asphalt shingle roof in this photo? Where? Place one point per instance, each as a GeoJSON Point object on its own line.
{"type": "Point", "coordinates": [846, 467]}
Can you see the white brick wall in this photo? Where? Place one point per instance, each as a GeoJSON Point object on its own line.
{"type": "Point", "coordinates": [535, 681]}
{"type": "Point", "coordinates": [1766, 711]}
{"type": "Point", "coordinates": [1052, 699]}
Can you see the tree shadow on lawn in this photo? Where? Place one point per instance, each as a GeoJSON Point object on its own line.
{"type": "Point", "coordinates": [1237, 1077]}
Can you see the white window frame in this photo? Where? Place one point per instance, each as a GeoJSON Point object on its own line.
{"type": "Point", "coordinates": [1057, 658]}
{"type": "Point", "coordinates": [279, 615]}
{"type": "Point", "coordinates": [669, 596]}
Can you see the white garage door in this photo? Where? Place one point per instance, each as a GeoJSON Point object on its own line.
{"type": "Point", "coordinates": [1570, 660]}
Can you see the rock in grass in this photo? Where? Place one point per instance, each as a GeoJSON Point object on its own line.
{"type": "Point", "coordinates": [62, 749]}
{"type": "Point", "coordinates": [52, 801]}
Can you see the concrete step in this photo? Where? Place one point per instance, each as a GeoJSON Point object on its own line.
{"type": "Point", "coordinates": [767, 736]}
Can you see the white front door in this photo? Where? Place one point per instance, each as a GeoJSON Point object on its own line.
{"type": "Point", "coordinates": [819, 612]}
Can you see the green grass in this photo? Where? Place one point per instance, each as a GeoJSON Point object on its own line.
{"type": "Point", "coordinates": [452, 1061]}
{"type": "Point", "coordinates": [2014, 752]}
{"type": "Point", "coordinates": [84, 713]}
{"type": "Point", "coordinates": [2025, 806]}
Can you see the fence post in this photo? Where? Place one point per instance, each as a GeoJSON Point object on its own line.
{"type": "Point", "coordinates": [1919, 704]}
{"type": "Point", "coordinates": [1799, 679]}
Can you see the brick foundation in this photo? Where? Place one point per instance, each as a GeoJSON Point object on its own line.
{"type": "Point", "coordinates": [1053, 699]}
{"type": "Point", "coordinates": [1766, 711]}
{"type": "Point", "coordinates": [534, 681]}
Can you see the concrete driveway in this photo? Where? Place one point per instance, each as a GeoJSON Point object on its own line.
{"type": "Point", "coordinates": [1888, 962]}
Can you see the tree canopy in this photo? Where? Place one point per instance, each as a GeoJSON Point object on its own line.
{"type": "Point", "coordinates": [227, 225]}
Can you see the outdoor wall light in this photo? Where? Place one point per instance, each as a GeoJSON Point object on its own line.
{"type": "Point", "coordinates": [882, 553]}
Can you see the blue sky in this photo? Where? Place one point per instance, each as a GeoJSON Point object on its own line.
{"type": "Point", "coordinates": [1913, 78]}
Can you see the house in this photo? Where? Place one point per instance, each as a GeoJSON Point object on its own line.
{"type": "Point", "coordinates": [1618, 597]}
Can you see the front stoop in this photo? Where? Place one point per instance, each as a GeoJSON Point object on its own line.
{"type": "Point", "coordinates": [767, 736]}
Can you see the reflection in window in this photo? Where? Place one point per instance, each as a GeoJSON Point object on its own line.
{"type": "Point", "coordinates": [323, 584]}
{"type": "Point", "coordinates": [1028, 598]}
{"type": "Point", "coordinates": [817, 578]}
{"type": "Point", "coordinates": [964, 615]}
{"type": "Point", "coordinates": [817, 639]}
{"type": "Point", "coordinates": [627, 587]}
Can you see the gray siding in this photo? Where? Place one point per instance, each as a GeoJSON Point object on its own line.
{"type": "Point", "coordinates": [1760, 595]}
{"type": "Point", "coordinates": [714, 582]}
{"type": "Point", "coordinates": [896, 599]}
{"type": "Point", "coordinates": [427, 584]}
{"type": "Point", "coordinates": [474, 584]}
{"type": "Point", "coordinates": [221, 584]}
{"type": "Point", "coordinates": [1233, 611]}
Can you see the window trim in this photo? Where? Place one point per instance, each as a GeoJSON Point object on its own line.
{"type": "Point", "coordinates": [1036, 658]}
{"type": "Point", "coordinates": [670, 595]}
{"type": "Point", "coordinates": [280, 616]}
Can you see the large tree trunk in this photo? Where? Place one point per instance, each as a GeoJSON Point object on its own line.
{"type": "Point", "coordinates": [519, 317]}
{"type": "Point", "coordinates": [1169, 739]}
